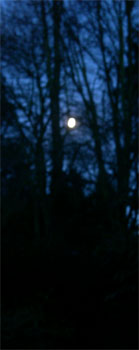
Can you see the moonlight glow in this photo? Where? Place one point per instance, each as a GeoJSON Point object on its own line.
{"type": "Point", "coordinates": [71, 123]}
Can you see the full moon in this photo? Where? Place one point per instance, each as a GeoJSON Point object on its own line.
{"type": "Point", "coordinates": [71, 123]}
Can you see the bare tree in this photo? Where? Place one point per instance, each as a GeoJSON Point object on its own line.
{"type": "Point", "coordinates": [103, 67]}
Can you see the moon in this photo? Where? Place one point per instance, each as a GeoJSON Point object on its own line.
{"type": "Point", "coordinates": [71, 123]}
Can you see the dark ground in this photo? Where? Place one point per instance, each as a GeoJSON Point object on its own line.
{"type": "Point", "coordinates": [69, 300]}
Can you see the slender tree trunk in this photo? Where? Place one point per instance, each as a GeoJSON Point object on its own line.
{"type": "Point", "coordinates": [57, 153]}
{"type": "Point", "coordinates": [40, 194]}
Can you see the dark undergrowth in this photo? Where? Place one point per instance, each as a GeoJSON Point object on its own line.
{"type": "Point", "coordinates": [70, 300]}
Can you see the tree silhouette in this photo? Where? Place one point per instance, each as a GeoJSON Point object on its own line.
{"type": "Point", "coordinates": [69, 195]}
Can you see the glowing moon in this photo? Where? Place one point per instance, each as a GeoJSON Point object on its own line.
{"type": "Point", "coordinates": [71, 123]}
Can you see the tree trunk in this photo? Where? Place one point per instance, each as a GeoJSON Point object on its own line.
{"type": "Point", "coordinates": [57, 153]}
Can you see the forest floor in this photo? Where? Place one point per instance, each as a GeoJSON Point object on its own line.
{"type": "Point", "coordinates": [74, 305]}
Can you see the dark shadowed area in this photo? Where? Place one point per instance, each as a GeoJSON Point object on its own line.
{"type": "Point", "coordinates": [69, 170]}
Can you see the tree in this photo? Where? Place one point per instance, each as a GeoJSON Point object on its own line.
{"type": "Point", "coordinates": [111, 121]}
{"type": "Point", "coordinates": [75, 74]}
